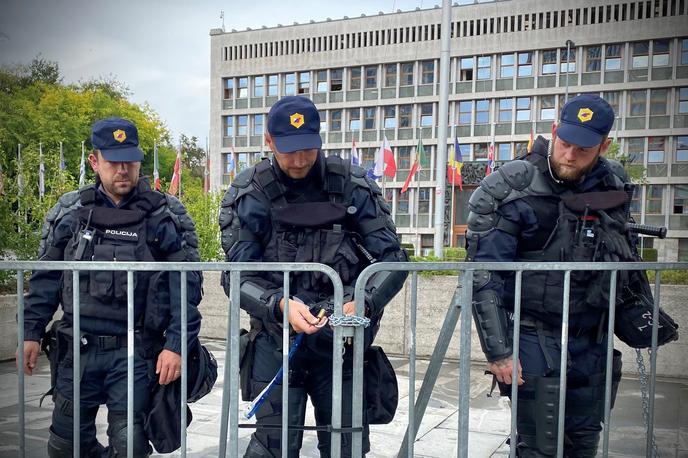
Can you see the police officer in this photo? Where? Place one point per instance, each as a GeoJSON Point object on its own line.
{"type": "Point", "coordinates": [303, 207]}
{"type": "Point", "coordinates": [118, 218]}
{"type": "Point", "coordinates": [563, 202]}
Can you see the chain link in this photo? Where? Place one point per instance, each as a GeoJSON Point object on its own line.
{"type": "Point", "coordinates": [349, 320]}
{"type": "Point", "coordinates": [644, 389]}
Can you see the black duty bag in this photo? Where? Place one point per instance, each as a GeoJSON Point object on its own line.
{"type": "Point", "coordinates": [380, 387]}
{"type": "Point", "coordinates": [163, 423]}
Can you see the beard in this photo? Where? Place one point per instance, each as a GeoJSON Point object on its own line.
{"type": "Point", "coordinates": [567, 172]}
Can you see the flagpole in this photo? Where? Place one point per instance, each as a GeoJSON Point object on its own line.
{"type": "Point", "coordinates": [451, 212]}
{"type": "Point", "coordinates": [180, 169]}
{"type": "Point", "coordinates": [41, 173]}
{"type": "Point", "coordinates": [417, 205]}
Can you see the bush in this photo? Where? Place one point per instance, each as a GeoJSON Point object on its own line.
{"type": "Point", "coordinates": [450, 255]}
{"type": "Point", "coordinates": [649, 254]}
{"type": "Point", "coordinates": [670, 277]}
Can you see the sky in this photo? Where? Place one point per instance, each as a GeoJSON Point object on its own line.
{"type": "Point", "coordinates": [159, 49]}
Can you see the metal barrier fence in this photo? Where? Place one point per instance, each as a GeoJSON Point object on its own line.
{"type": "Point", "coordinates": [462, 296]}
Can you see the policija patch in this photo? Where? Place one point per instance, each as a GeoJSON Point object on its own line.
{"type": "Point", "coordinates": [127, 236]}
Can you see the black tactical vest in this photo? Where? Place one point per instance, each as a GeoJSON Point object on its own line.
{"type": "Point", "coordinates": [110, 234]}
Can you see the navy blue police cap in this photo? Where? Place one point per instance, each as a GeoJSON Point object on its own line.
{"type": "Point", "coordinates": [117, 139]}
{"type": "Point", "coordinates": [294, 124]}
{"type": "Point", "coordinates": [585, 120]}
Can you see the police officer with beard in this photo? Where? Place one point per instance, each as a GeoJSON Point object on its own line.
{"type": "Point", "coordinates": [119, 218]}
{"type": "Point", "coordinates": [563, 202]}
{"type": "Point", "coordinates": [303, 207]}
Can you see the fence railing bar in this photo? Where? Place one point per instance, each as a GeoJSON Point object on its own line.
{"type": "Point", "coordinates": [412, 364]}
{"type": "Point", "coordinates": [285, 365]}
{"type": "Point", "coordinates": [609, 364]}
{"type": "Point", "coordinates": [649, 449]}
{"type": "Point", "coordinates": [76, 348]}
{"type": "Point", "coordinates": [563, 363]}
{"type": "Point", "coordinates": [337, 363]}
{"type": "Point", "coordinates": [130, 363]}
{"type": "Point", "coordinates": [515, 360]}
{"type": "Point", "coordinates": [21, 408]}
{"type": "Point", "coordinates": [465, 362]}
{"type": "Point", "coordinates": [185, 356]}
{"type": "Point", "coordinates": [233, 350]}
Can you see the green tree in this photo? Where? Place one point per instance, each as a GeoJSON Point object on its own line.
{"type": "Point", "coordinates": [193, 156]}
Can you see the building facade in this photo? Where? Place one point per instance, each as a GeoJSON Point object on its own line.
{"type": "Point", "coordinates": [378, 76]}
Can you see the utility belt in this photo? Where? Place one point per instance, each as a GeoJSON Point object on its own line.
{"type": "Point", "coordinates": [530, 323]}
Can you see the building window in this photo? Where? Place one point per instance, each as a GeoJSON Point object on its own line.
{"type": "Point", "coordinates": [569, 62]}
{"type": "Point", "coordinates": [612, 59]}
{"type": "Point", "coordinates": [390, 75]}
{"type": "Point", "coordinates": [323, 120]}
{"type": "Point", "coordinates": [635, 201]}
{"type": "Point", "coordinates": [639, 54]}
{"type": "Point", "coordinates": [466, 69]}
{"type": "Point", "coordinates": [304, 82]}
{"type": "Point", "coordinates": [482, 111]}
{"type": "Point", "coordinates": [636, 103]}
{"type": "Point", "coordinates": [505, 106]}
{"type": "Point", "coordinates": [683, 100]}
{"type": "Point", "coordinates": [503, 151]}
{"type": "Point", "coordinates": [390, 117]}
{"type": "Point", "coordinates": [243, 88]}
{"type": "Point", "coordinates": [480, 152]}
{"type": "Point", "coordinates": [684, 51]}
{"type": "Point", "coordinates": [405, 115]}
{"type": "Point", "coordinates": [354, 119]}
{"type": "Point", "coordinates": [258, 86]}
{"type": "Point", "coordinates": [525, 64]}
{"type": "Point", "coordinates": [228, 126]}
{"type": "Point", "coordinates": [682, 149]}
{"type": "Point", "coordinates": [424, 200]}
{"type": "Point", "coordinates": [660, 53]}
{"type": "Point", "coordinates": [427, 72]}
{"type": "Point", "coordinates": [371, 77]}
{"type": "Point", "coordinates": [680, 199]}
{"type": "Point", "coordinates": [336, 120]}
{"type": "Point", "coordinates": [402, 202]}
{"type": "Point", "coordinates": [229, 88]}
{"type": "Point", "coordinates": [614, 100]}
{"type": "Point", "coordinates": [404, 157]}
{"type": "Point", "coordinates": [547, 112]}
{"type": "Point", "coordinates": [523, 109]}
{"type": "Point", "coordinates": [336, 76]}
{"type": "Point", "coordinates": [426, 114]}
{"type": "Point", "coordinates": [549, 62]}
{"type": "Point", "coordinates": [369, 118]}
{"type": "Point", "coordinates": [354, 78]}
{"type": "Point", "coordinates": [658, 101]}
{"type": "Point", "coordinates": [484, 67]}
{"type": "Point", "coordinates": [258, 124]}
{"type": "Point", "coordinates": [635, 148]}
{"type": "Point", "coordinates": [465, 110]}
{"type": "Point", "coordinates": [593, 58]}
{"type": "Point", "coordinates": [506, 68]}
{"type": "Point", "coordinates": [290, 84]}
{"type": "Point", "coordinates": [521, 148]}
{"type": "Point", "coordinates": [321, 81]}
{"type": "Point", "coordinates": [653, 203]}
{"type": "Point", "coordinates": [242, 125]}
{"type": "Point", "coordinates": [272, 85]}
{"type": "Point", "coordinates": [655, 149]}
{"type": "Point", "coordinates": [407, 74]}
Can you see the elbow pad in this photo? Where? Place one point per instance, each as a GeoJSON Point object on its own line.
{"type": "Point", "coordinates": [492, 324]}
{"type": "Point", "coordinates": [258, 301]}
{"type": "Point", "coordinates": [381, 288]}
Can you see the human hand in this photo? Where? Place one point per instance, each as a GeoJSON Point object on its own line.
{"type": "Point", "coordinates": [300, 317]}
{"type": "Point", "coordinates": [169, 366]}
{"type": "Point", "coordinates": [31, 351]}
{"type": "Point", "coordinates": [349, 308]}
{"type": "Point", "coordinates": [503, 368]}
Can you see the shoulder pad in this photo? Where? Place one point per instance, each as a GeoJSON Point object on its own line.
{"type": "Point", "coordinates": [372, 185]}
{"type": "Point", "coordinates": [69, 199]}
{"type": "Point", "coordinates": [244, 178]}
{"type": "Point", "coordinates": [617, 169]}
{"type": "Point", "coordinates": [482, 202]}
{"type": "Point", "coordinates": [358, 171]}
{"type": "Point", "coordinates": [517, 174]}
{"type": "Point", "coordinates": [230, 197]}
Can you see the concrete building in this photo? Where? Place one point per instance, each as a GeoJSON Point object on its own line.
{"type": "Point", "coordinates": [378, 76]}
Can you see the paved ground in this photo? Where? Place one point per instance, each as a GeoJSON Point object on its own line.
{"type": "Point", "coordinates": [489, 417]}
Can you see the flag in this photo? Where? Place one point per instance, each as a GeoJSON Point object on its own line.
{"type": "Point", "coordinates": [416, 166]}
{"type": "Point", "coordinates": [231, 164]}
{"type": "Point", "coordinates": [41, 172]}
{"type": "Point", "coordinates": [490, 160]}
{"type": "Point", "coordinates": [82, 166]}
{"type": "Point", "coordinates": [63, 166]}
{"type": "Point", "coordinates": [384, 162]}
{"type": "Point", "coordinates": [530, 141]}
{"type": "Point", "coordinates": [206, 174]}
{"type": "Point", "coordinates": [454, 166]}
{"type": "Point", "coordinates": [355, 158]}
{"type": "Point", "coordinates": [156, 165]}
{"type": "Point", "coordinates": [177, 174]}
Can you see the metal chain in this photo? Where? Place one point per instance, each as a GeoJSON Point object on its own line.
{"type": "Point", "coordinates": [349, 320]}
{"type": "Point", "coordinates": [644, 395]}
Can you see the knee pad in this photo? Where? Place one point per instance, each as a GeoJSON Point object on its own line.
{"type": "Point", "coordinates": [117, 434]}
